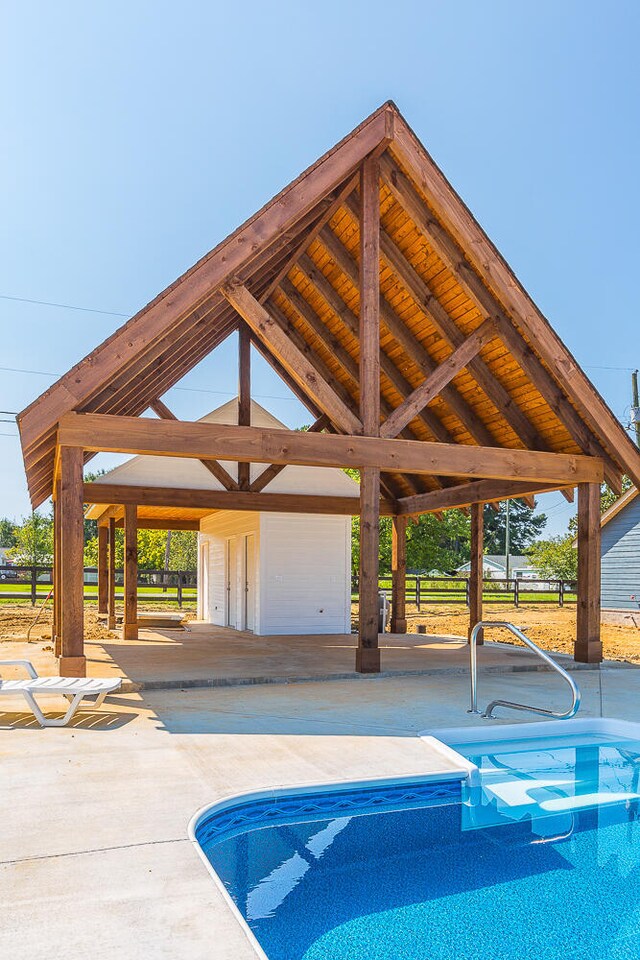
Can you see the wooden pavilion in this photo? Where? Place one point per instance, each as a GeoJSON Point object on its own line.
{"type": "Point", "coordinates": [370, 288]}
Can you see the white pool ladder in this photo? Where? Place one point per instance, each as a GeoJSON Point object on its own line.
{"type": "Point", "coordinates": [473, 664]}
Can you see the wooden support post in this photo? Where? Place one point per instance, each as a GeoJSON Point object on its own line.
{"type": "Point", "coordinates": [111, 601]}
{"type": "Point", "coordinates": [244, 396]}
{"type": "Point", "coordinates": [103, 571]}
{"type": "Point", "coordinates": [130, 623]}
{"type": "Point", "coordinates": [399, 575]}
{"type": "Point", "coordinates": [71, 552]}
{"type": "Point", "coordinates": [475, 575]}
{"type": "Point", "coordinates": [55, 633]}
{"type": "Point", "coordinates": [588, 646]}
{"type": "Point", "coordinates": [368, 653]}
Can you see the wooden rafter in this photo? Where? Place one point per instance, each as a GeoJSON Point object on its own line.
{"type": "Point", "coordinates": [244, 396]}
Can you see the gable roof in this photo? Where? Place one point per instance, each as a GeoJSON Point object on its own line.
{"type": "Point", "coordinates": [618, 506]}
{"type": "Point", "coordinates": [440, 279]}
{"type": "Point", "coordinates": [187, 474]}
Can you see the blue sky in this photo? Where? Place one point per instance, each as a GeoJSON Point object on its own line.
{"type": "Point", "coordinates": [137, 135]}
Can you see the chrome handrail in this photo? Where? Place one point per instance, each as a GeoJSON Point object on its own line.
{"type": "Point", "coordinates": [473, 664]}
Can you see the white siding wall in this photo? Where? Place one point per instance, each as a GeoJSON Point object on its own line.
{"type": "Point", "coordinates": [217, 528]}
{"type": "Point", "coordinates": [306, 574]}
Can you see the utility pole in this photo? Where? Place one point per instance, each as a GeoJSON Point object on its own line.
{"type": "Point", "coordinates": [635, 405]}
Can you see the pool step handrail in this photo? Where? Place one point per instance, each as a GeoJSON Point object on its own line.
{"type": "Point", "coordinates": [541, 711]}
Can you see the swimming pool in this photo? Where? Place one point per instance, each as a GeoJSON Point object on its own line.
{"type": "Point", "coordinates": [461, 868]}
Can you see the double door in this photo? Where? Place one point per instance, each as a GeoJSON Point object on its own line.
{"type": "Point", "coordinates": [241, 581]}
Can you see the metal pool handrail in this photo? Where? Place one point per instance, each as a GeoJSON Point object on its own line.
{"type": "Point", "coordinates": [473, 663]}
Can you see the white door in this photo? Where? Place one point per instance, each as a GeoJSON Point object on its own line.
{"type": "Point", "coordinates": [250, 582]}
{"type": "Point", "coordinates": [204, 599]}
{"type": "Point", "coordinates": [232, 582]}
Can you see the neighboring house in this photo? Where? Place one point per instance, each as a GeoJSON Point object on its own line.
{"type": "Point", "coordinates": [270, 573]}
{"type": "Point", "coordinates": [621, 553]}
{"type": "Point", "coordinates": [494, 567]}
{"type": "Point", "coordinates": [3, 556]}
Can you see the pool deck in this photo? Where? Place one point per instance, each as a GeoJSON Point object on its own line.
{"type": "Point", "coordinates": [93, 837]}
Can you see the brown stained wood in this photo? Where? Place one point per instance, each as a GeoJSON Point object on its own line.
{"type": "Point", "coordinates": [141, 435]}
{"type": "Point", "coordinates": [57, 538]}
{"type": "Point", "coordinates": [368, 652]}
{"type": "Point", "coordinates": [265, 478]}
{"type": "Point", "coordinates": [399, 575]}
{"type": "Point", "coordinates": [72, 658]}
{"type": "Point", "coordinates": [369, 318]}
{"type": "Point", "coordinates": [430, 388]}
{"type": "Point", "coordinates": [111, 604]}
{"type": "Point", "coordinates": [266, 228]}
{"type": "Point", "coordinates": [477, 491]}
{"type": "Point", "coordinates": [297, 365]}
{"type": "Point", "coordinates": [412, 348]}
{"type": "Point", "coordinates": [130, 622]}
{"type": "Point", "coordinates": [244, 396]}
{"type": "Point", "coordinates": [588, 645]}
{"type": "Point", "coordinates": [103, 569]}
{"type": "Point", "coordinates": [327, 214]}
{"type": "Point", "coordinates": [474, 287]}
{"type": "Point", "coordinates": [476, 572]}
{"type": "Point", "coordinates": [429, 304]}
{"type": "Point", "coordinates": [489, 264]}
{"type": "Point", "coordinates": [223, 500]}
{"type": "Point", "coordinates": [277, 367]}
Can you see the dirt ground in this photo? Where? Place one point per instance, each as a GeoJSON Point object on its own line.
{"type": "Point", "coordinates": [553, 628]}
{"type": "Point", "coordinates": [15, 620]}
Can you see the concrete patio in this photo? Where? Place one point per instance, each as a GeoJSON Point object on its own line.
{"type": "Point", "coordinates": [206, 655]}
{"type": "Point", "coordinates": [93, 832]}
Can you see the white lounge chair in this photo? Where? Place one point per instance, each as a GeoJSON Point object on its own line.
{"type": "Point", "coordinates": [74, 689]}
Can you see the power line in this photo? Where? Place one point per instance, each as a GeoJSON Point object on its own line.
{"type": "Point", "coordinates": [62, 306]}
{"type": "Point", "coordinates": [223, 393]}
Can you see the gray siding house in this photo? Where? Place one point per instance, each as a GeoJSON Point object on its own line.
{"type": "Point", "coordinates": [621, 553]}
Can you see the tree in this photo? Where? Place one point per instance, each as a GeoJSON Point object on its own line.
{"type": "Point", "coordinates": [524, 527]}
{"type": "Point", "coordinates": [432, 544]}
{"type": "Point", "coordinates": [151, 545]}
{"type": "Point", "coordinates": [183, 551]}
{"type": "Point", "coordinates": [557, 558]}
{"type": "Point", "coordinates": [34, 541]}
{"type": "Point", "coordinates": [7, 532]}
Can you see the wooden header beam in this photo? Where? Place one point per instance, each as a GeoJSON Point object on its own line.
{"type": "Point", "coordinates": [139, 435]}
{"type": "Point", "coordinates": [181, 498]}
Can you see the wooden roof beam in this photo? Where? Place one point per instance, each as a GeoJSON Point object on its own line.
{"type": "Point", "coordinates": [441, 376]}
{"type": "Point", "coordinates": [447, 250]}
{"type": "Point", "coordinates": [412, 347]}
{"type": "Point", "coordinates": [293, 360]}
{"type": "Point", "coordinates": [140, 435]}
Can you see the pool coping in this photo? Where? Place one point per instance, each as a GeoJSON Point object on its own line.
{"type": "Point", "coordinates": [459, 768]}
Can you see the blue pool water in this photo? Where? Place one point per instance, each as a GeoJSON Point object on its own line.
{"type": "Point", "coordinates": [540, 862]}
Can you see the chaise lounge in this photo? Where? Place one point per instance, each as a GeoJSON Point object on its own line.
{"type": "Point", "coordinates": [73, 689]}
